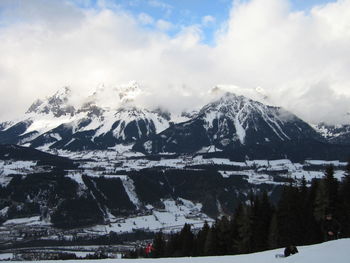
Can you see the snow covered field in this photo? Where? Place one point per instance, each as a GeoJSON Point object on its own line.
{"type": "Point", "coordinates": [334, 251]}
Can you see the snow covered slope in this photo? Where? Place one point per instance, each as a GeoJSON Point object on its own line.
{"type": "Point", "coordinates": [333, 251]}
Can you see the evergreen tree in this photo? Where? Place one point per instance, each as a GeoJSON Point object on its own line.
{"type": "Point", "coordinates": [321, 203]}
{"type": "Point", "coordinates": [210, 248]}
{"type": "Point", "coordinates": [289, 217]}
{"type": "Point", "coordinates": [158, 246]}
{"type": "Point", "coordinates": [187, 241]}
{"type": "Point", "coordinates": [345, 197]}
{"type": "Point", "coordinates": [273, 233]}
{"type": "Point", "coordinates": [332, 189]}
{"type": "Point", "coordinates": [172, 245]}
{"type": "Point", "coordinates": [199, 242]}
{"type": "Point", "coordinates": [243, 240]}
{"type": "Point", "coordinates": [310, 229]}
{"type": "Point", "coordinates": [224, 240]}
{"type": "Point", "coordinates": [261, 218]}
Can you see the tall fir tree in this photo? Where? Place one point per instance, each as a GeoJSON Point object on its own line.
{"type": "Point", "coordinates": [158, 246]}
{"type": "Point", "coordinates": [210, 248]}
{"type": "Point", "coordinates": [187, 241]}
{"type": "Point", "coordinates": [243, 240]}
{"type": "Point", "coordinates": [321, 203]}
{"type": "Point", "coordinates": [224, 240]}
{"type": "Point", "coordinates": [200, 240]}
{"type": "Point", "coordinates": [273, 233]}
{"type": "Point", "coordinates": [332, 185]}
{"type": "Point", "coordinates": [345, 204]}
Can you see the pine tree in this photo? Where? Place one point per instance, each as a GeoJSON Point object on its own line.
{"type": "Point", "coordinates": [273, 233]}
{"type": "Point", "coordinates": [289, 216]}
{"type": "Point", "coordinates": [267, 211]}
{"type": "Point", "coordinates": [345, 203]}
{"type": "Point", "coordinates": [199, 242]}
{"type": "Point", "coordinates": [332, 189]}
{"type": "Point", "coordinates": [321, 203]}
{"type": "Point", "coordinates": [243, 240]}
{"type": "Point", "coordinates": [210, 248]}
{"type": "Point", "coordinates": [158, 246]}
{"type": "Point", "coordinates": [186, 238]}
{"type": "Point", "coordinates": [224, 240]}
{"type": "Point", "coordinates": [310, 230]}
{"type": "Point", "coordinates": [172, 245]}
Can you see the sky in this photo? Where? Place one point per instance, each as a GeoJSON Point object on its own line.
{"type": "Point", "coordinates": [296, 51]}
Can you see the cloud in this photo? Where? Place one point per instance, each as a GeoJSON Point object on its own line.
{"type": "Point", "coordinates": [208, 20]}
{"type": "Point", "coordinates": [145, 19]}
{"type": "Point", "coordinates": [160, 4]}
{"type": "Point", "coordinates": [164, 25]}
{"type": "Point", "coordinates": [299, 59]}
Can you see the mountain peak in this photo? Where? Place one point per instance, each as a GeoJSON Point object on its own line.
{"type": "Point", "coordinates": [258, 93]}
{"type": "Point", "coordinates": [57, 104]}
{"type": "Point", "coordinates": [128, 92]}
{"type": "Point", "coordinates": [227, 103]}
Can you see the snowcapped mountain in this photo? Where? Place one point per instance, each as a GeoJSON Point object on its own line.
{"type": "Point", "coordinates": [41, 116]}
{"type": "Point", "coordinates": [103, 130]}
{"type": "Point", "coordinates": [231, 125]}
{"type": "Point", "coordinates": [336, 134]}
{"type": "Point", "coordinates": [57, 105]}
{"type": "Point", "coordinates": [240, 128]}
{"type": "Point", "coordinates": [258, 93]}
{"type": "Point", "coordinates": [237, 119]}
{"type": "Point", "coordinates": [54, 123]}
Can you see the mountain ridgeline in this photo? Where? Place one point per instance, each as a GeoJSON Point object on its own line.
{"type": "Point", "coordinates": [233, 127]}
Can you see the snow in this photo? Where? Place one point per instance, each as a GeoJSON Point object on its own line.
{"type": "Point", "coordinates": [3, 212]}
{"type": "Point", "coordinates": [272, 122]}
{"type": "Point", "coordinates": [45, 122]}
{"type": "Point", "coordinates": [29, 221]}
{"type": "Point", "coordinates": [6, 256]}
{"type": "Point", "coordinates": [240, 131]}
{"type": "Point", "coordinates": [325, 163]}
{"type": "Point", "coordinates": [148, 146]}
{"type": "Point", "coordinates": [77, 177]}
{"type": "Point", "coordinates": [172, 218]}
{"type": "Point", "coordinates": [129, 187]}
{"type": "Point", "coordinates": [332, 251]}
{"type": "Point", "coordinates": [10, 167]}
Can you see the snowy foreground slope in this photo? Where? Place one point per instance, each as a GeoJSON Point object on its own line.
{"type": "Point", "coordinates": [333, 251]}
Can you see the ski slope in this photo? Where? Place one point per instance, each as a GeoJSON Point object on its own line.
{"type": "Point", "coordinates": [333, 251]}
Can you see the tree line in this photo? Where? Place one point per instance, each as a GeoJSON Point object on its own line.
{"type": "Point", "coordinates": [259, 225]}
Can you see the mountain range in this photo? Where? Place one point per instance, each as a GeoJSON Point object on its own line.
{"type": "Point", "coordinates": [231, 126]}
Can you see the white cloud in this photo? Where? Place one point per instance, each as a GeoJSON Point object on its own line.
{"type": "Point", "coordinates": [164, 25]}
{"type": "Point", "coordinates": [301, 60]}
{"type": "Point", "coordinates": [145, 19]}
{"type": "Point", "coordinates": [160, 4]}
{"type": "Point", "coordinates": [208, 20]}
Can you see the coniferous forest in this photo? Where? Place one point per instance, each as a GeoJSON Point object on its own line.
{"type": "Point", "coordinates": [257, 225]}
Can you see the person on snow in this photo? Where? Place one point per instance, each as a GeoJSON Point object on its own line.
{"type": "Point", "coordinates": [290, 250]}
{"type": "Point", "coordinates": [330, 228]}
